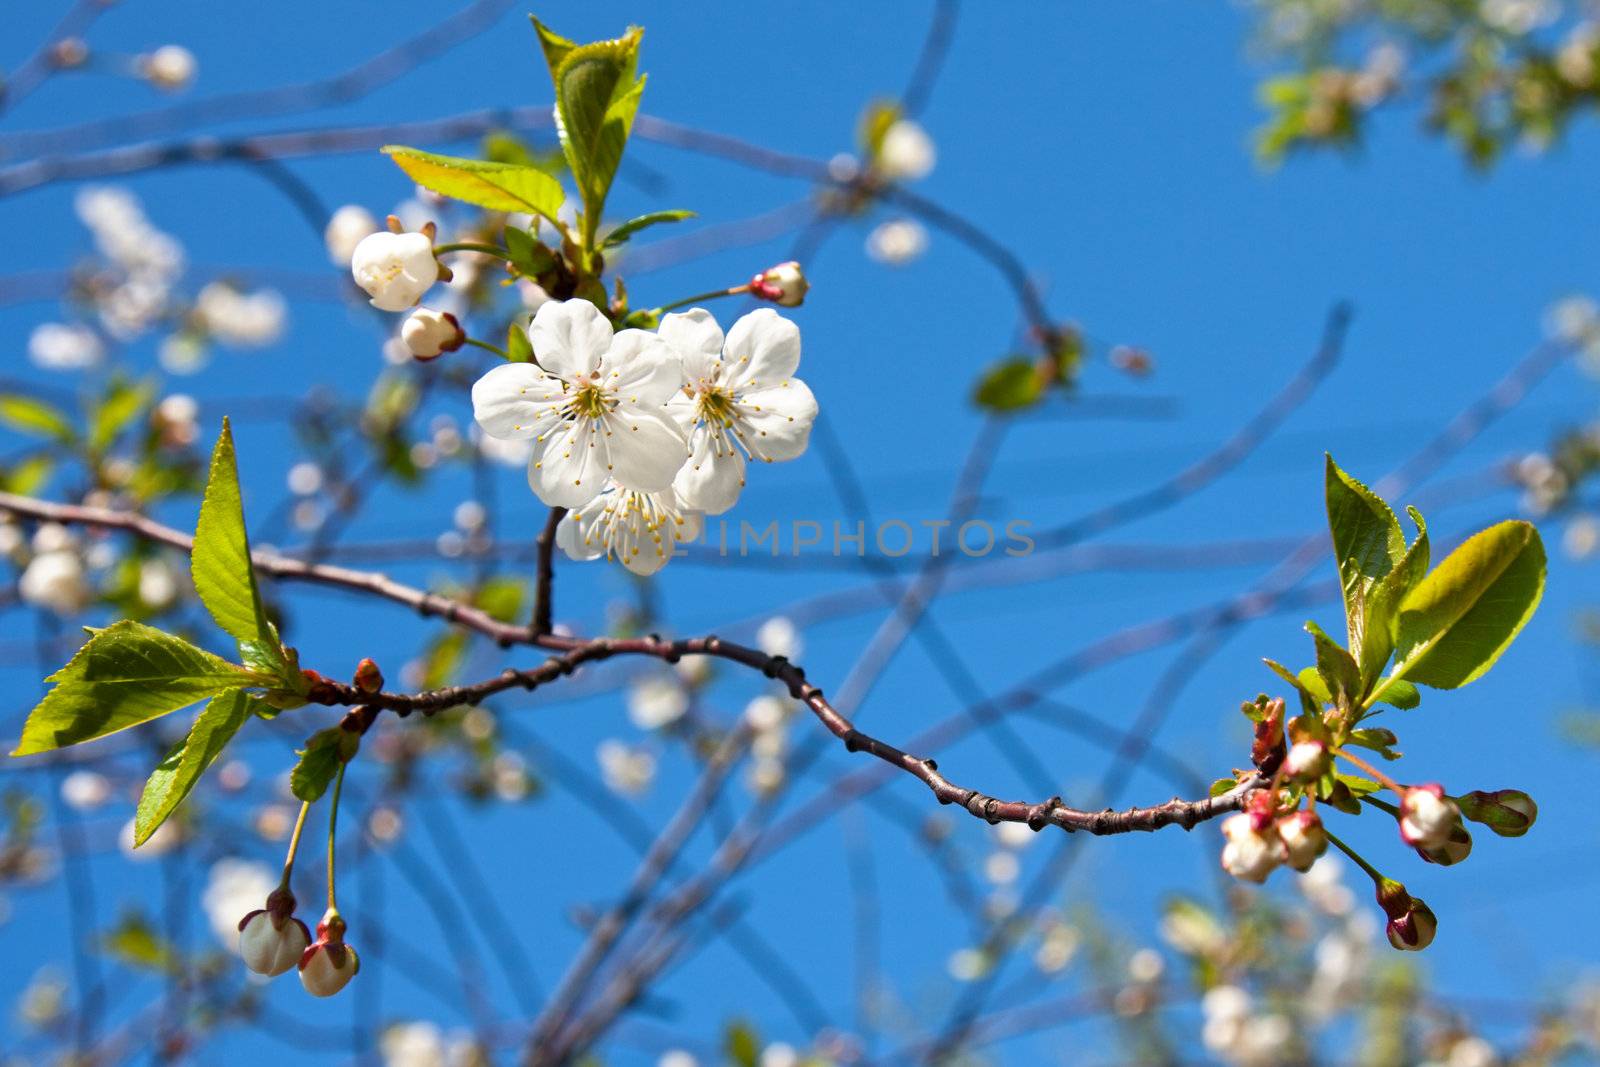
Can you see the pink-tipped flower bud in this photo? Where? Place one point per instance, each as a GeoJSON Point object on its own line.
{"type": "Point", "coordinates": [1453, 851]}
{"type": "Point", "coordinates": [1412, 923]}
{"type": "Point", "coordinates": [429, 333]}
{"type": "Point", "coordinates": [329, 964]}
{"type": "Point", "coordinates": [1428, 818]}
{"type": "Point", "coordinates": [1307, 761]}
{"type": "Point", "coordinates": [1250, 853]}
{"type": "Point", "coordinates": [784, 285]}
{"type": "Point", "coordinates": [271, 939]}
{"type": "Point", "coordinates": [368, 679]}
{"type": "Point", "coordinates": [1304, 839]}
{"type": "Point", "coordinates": [1508, 812]}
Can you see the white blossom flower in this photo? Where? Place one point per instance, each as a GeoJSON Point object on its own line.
{"type": "Point", "coordinates": [418, 1044]}
{"type": "Point", "coordinates": [394, 268]}
{"type": "Point", "coordinates": [244, 320]}
{"type": "Point", "coordinates": [906, 152]}
{"type": "Point", "coordinates": [59, 346]}
{"type": "Point", "coordinates": [158, 584]}
{"type": "Point", "coordinates": [740, 398]}
{"type": "Point", "coordinates": [429, 333]}
{"type": "Point", "coordinates": [1250, 854]}
{"type": "Point", "coordinates": [170, 67]}
{"type": "Point", "coordinates": [85, 790]}
{"type": "Point", "coordinates": [592, 405]}
{"type": "Point", "coordinates": [346, 229]}
{"type": "Point", "coordinates": [779, 636]}
{"type": "Point", "coordinates": [641, 530]}
{"type": "Point", "coordinates": [897, 241]}
{"type": "Point", "coordinates": [625, 769]}
{"type": "Point", "coordinates": [657, 701]}
{"type": "Point", "coordinates": [56, 580]}
{"type": "Point", "coordinates": [234, 887]}
{"type": "Point", "coordinates": [677, 1057]}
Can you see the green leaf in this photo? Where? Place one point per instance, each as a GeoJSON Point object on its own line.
{"type": "Point", "coordinates": [621, 234]}
{"type": "Point", "coordinates": [172, 781]}
{"type": "Point", "coordinates": [136, 943]}
{"type": "Point", "coordinates": [1397, 693]}
{"type": "Point", "coordinates": [1221, 786]}
{"type": "Point", "coordinates": [597, 97]}
{"type": "Point", "coordinates": [527, 255]}
{"type": "Point", "coordinates": [122, 403]}
{"type": "Point", "coordinates": [1383, 606]}
{"type": "Point", "coordinates": [1336, 667]}
{"type": "Point", "coordinates": [741, 1044]}
{"type": "Point", "coordinates": [1009, 385]}
{"type": "Point", "coordinates": [1309, 699]}
{"type": "Point", "coordinates": [1367, 544]}
{"type": "Point", "coordinates": [319, 762]}
{"type": "Point", "coordinates": [1461, 617]}
{"type": "Point", "coordinates": [124, 675]}
{"type": "Point", "coordinates": [496, 186]}
{"type": "Point", "coordinates": [29, 415]}
{"type": "Point", "coordinates": [518, 348]}
{"type": "Point", "coordinates": [220, 561]}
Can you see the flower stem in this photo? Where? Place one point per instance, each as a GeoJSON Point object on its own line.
{"type": "Point", "coordinates": [294, 844]}
{"type": "Point", "coordinates": [333, 825]}
{"type": "Point", "coordinates": [487, 347]}
{"type": "Point", "coordinates": [697, 298]}
{"type": "Point", "coordinates": [1379, 776]}
{"type": "Point", "coordinates": [1372, 872]}
{"type": "Point", "coordinates": [472, 246]}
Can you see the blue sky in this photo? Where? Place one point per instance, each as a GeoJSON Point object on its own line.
{"type": "Point", "coordinates": [1109, 149]}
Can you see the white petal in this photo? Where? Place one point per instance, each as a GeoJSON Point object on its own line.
{"type": "Point", "coordinates": [683, 410]}
{"type": "Point", "coordinates": [714, 475]}
{"type": "Point", "coordinates": [642, 369]}
{"type": "Point", "coordinates": [647, 448]}
{"type": "Point", "coordinates": [775, 423]}
{"type": "Point", "coordinates": [763, 349]}
{"type": "Point", "coordinates": [697, 338]}
{"type": "Point", "coordinates": [568, 468]}
{"type": "Point", "coordinates": [569, 337]}
{"type": "Point", "coordinates": [512, 401]}
{"type": "Point", "coordinates": [578, 536]}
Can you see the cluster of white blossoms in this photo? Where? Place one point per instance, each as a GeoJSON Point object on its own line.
{"type": "Point", "coordinates": [639, 433]}
{"type": "Point", "coordinates": [905, 154]}
{"type": "Point", "coordinates": [131, 286]}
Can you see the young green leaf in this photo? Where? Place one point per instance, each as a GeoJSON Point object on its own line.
{"type": "Point", "coordinates": [220, 560]}
{"type": "Point", "coordinates": [319, 762]}
{"type": "Point", "coordinates": [124, 675]}
{"type": "Point", "coordinates": [1383, 603]}
{"type": "Point", "coordinates": [1461, 617]}
{"type": "Point", "coordinates": [621, 234]}
{"type": "Point", "coordinates": [29, 415]}
{"type": "Point", "coordinates": [173, 779]}
{"type": "Point", "coordinates": [1367, 544]}
{"type": "Point", "coordinates": [496, 186]}
{"type": "Point", "coordinates": [1009, 385]}
{"type": "Point", "coordinates": [1336, 667]}
{"type": "Point", "coordinates": [518, 348]}
{"type": "Point", "coordinates": [527, 255]}
{"type": "Point", "coordinates": [1398, 693]}
{"type": "Point", "coordinates": [597, 97]}
{"type": "Point", "coordinates": [121, 404]}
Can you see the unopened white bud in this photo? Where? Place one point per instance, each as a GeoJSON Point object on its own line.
{"type": "Point", "coordinates": [55, 580]}
{"type": "Point", "coordinates": [1303, 837]}
{"type": "Point", "coordinates": [1428, 818]}
{"type": "Point", "coordinates": [1307, 760]}
{"type": "Point", "coordinates": [271, 941]}
{"type": "Point", "coordinates": [394, 268]}
{"type": "Point", "coordinates": [784, 285]}
{"type": "Point", "coordinates": [170, 68]}
{"type": "Point", "coordinates": [429, 333]}
{"type": "Point", "coordinates": [906, 152]}
{"type": "Point", "coordinates": [329, 964]}
{"type": "Point", "coordinates": [1250, 854]}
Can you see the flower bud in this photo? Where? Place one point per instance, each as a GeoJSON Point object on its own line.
{"type": "Point", "coordinates": [1304, 838]}
{"type": "Point", "coordinates": [1250, 853]}
{"type": "Point", "coordinates": [271, 939]}
{"type": "Point", "coordinates": [1266, 751]}
{"type": "Point", "coordinates": [1428, 817]}
{"type": "Point", "coordinates": [329, 964]}
{"type": "Point", "coordinates": [906, 152]}
{"type": "Point", "coordinates": [1508, 812]}
{"type": "Point", "coordinates": [169, 68]}
{"type": "Point", "coordinates": [394, 268]}
{"type": "Point", "coordinates": [784, 285]}
{"type": "Point", "coordinates": [1413, 930]}
{"type": "Point", "coordinates": [1307, 761]}
{"type": "Point", "coordinates": [368, 679]}
{"type": "Point", "coordinates": [428, 333]}
{"type": "Point", "coordinates": [1453, 851]}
